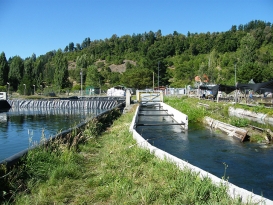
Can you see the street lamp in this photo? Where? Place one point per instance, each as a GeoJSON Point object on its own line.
{"type": "Point", "coordinates": [235, 74]}
{"type": "Point", "coordinates": [24, 89]}
{"type": "Point", "coordinates": [34, 90]}
{"type": "Point", "coordinates": [8, 88]}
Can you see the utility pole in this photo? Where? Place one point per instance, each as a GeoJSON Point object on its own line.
{"type": "Point", "coordinates": [235, 84]}
{"type": "Point", "coordinates": [153, 81]}
{"type": "Point", "coordinates": [8, 88]}
{"type": "Point", "coordinates": [81, 81]}
{"type": "Point", "coordinates": [24, 89]}
{"type": "Point", "coordinates": [158, 76]}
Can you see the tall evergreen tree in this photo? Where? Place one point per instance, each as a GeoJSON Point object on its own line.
{"type": "Point", "coordinates": [139, 78]}
{"type": "Point", "coordinates": [61, 71]}
{"type": "Point", "coordinates": [4, 69]}
{"type": "Point", "coordinates": [92, 76]}
{"type": "Point", "coordinates": [16, 71]}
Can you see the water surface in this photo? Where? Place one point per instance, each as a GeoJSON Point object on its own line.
{"type": "Point", "coordinates": [247, 165]}
{"type": "Point", "coordinates": [21, 128]}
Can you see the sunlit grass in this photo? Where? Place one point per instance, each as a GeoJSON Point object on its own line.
{"type": "Point", "coordinates": [219, 111]}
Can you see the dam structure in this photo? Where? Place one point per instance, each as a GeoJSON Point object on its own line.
{"type": "Point", "coordinates": [83, 103]}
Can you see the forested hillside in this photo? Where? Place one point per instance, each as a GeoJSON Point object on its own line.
{"type": "Point", "coordinates": [134, 60]}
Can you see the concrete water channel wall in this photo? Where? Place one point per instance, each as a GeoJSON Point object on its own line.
{"type": "Point", "coordinates": [233, 191]}
{"type": "Point", "coordinates": [254, 116]}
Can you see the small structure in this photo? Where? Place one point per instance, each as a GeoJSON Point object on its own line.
{"type": "Point", "coordinates": [117, 91]}
{"type": "Point", "coordinates": [92, 90]}
{"type": "Point", "coordinates": [149, 97]}
{"type": "Point", "coordinates": [4, 105]}
{"type": "Point", "coordinates": [3, 96]}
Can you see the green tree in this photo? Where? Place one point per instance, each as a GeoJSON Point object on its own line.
{"type": "Point", "coordinates": [92, 76]}
{"type": "Point", "coordinates": [247, 46]}
{"type": "Point", "coordinates": [105, 74]}
{"type": "Point", "coordinates": [61, 71]}
{"type": "Point", "coordinates": [82, 61]}
{"type": "Point", "coordinates": [48, 73]}
{"type": "Point", "coordinates": [183, 75]}
{"type": "Point", "coordinates": [81, 65]}
{"type": "Point", "coordinates": [26, 84]}
{"type": "Point", "coordinates": [71, 47]}
{"type": "Point", "coordinates": [28, 68]}
{"type": "Point", "coordinates": [114, 78]}
{"type": "Point", "coordinates": [4, 69]}
{"type": "Point", "coordinates": [78, 47]}
{"type": "Point", "coordinates": [86, 43]}
{"type": "Point", "coordinates": [16, 71]}
{"type": "Point", "coordinates": [139, 78]}
{"type": "Point", "coordinates": [246, 59]}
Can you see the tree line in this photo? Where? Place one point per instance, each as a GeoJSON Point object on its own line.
{"type": "Point", "coordinates": [246, 50]}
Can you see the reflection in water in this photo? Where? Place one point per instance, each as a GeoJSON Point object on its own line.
{"type": "Point", "coordinates": [249, 164]}
{"type": "Point", "coordinates": [23, 127]}
{"type": "Point", "coordinates": [3, 117]}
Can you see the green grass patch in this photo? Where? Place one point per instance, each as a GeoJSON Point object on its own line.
{"type": "Point", "coordinates": [197, 109]}
{"type": "Point", "coordinates": [257, 109]}
{"type": "Point", "coordinates": [238, 122]}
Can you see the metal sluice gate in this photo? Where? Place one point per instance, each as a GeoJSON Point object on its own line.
{"type": "Point", "coordinates": [153, 113]}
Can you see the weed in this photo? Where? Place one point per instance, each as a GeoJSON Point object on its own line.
{"type": "Point", "coordinates": [256, 138]}
{"type": "Point", "coordinates": [238, 122]}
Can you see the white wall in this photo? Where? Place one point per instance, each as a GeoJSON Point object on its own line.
{"type": "Point", "coordinates": [3, 96]}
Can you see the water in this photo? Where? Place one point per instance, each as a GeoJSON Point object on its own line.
{"type": "Point", "coordinates": [21, 128]}
{"type": "Point", "coordinates": [247, 165]}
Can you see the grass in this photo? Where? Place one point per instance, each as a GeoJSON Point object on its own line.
{"type": "Point", "coordinates": [189, 107]}
{"type": "Point", "coordinates": [106, 169]}
{"type": "Point", "coordinates": [219, 111]}
{"type": "Point", "coordinates": [258, 108]}
{"type": "Point", "coordinates": [196, 111]}
{"type": "Point", "coordinates": [239, 122]}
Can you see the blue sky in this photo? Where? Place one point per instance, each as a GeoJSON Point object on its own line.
{"type": "Point", "coordinates": [39, 26]}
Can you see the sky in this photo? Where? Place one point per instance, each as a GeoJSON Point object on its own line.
{"type": "Point", "coordinates": [39, 26]}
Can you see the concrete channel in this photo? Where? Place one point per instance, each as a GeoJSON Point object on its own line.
{"type": "Point", "coordinates": [169, 116]}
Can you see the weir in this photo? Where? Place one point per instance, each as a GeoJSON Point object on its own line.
{"type": "Point", "coordinates": [90, 103]}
